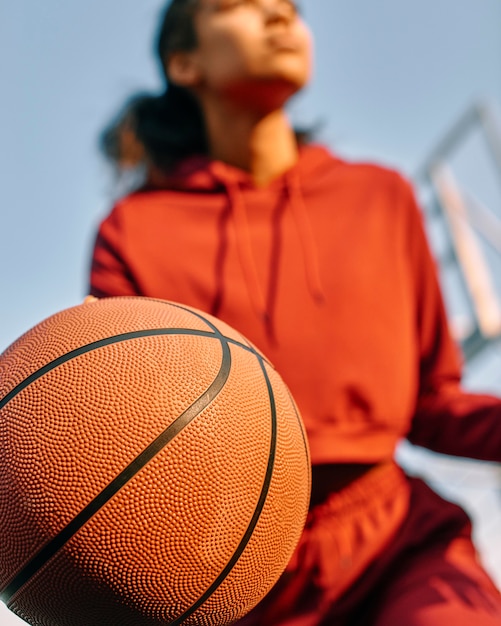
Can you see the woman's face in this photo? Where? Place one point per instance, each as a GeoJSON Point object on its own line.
{"type": "Point", "coordinates": [250, 51]}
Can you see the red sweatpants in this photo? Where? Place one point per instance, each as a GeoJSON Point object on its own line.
{"type": "Point", "coordinates": [385, 551]}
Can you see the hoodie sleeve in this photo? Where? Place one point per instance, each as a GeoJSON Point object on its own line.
{"type": "Point", "coordinates": [447, 418]}
{"type": "Point", "coordinates": [109, 275]}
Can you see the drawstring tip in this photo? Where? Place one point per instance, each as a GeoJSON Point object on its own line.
{"type": "Point", "coordinates": [319, 297]}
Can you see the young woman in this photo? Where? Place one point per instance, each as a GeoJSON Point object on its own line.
{"type": "Point", "coordinates": [324, 265]}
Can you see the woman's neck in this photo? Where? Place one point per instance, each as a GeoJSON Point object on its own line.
{"type": "Point", "coordinates": [263, 145]}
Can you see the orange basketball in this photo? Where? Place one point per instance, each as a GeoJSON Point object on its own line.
{"type": "Point", "coordinates": [154, 469]}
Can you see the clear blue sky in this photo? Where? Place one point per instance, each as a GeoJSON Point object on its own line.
{"type": "Point", "coordinates": [391, 77]}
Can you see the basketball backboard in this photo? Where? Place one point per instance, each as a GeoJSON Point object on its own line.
{"type": "Point", "coordinates": [461, 186]}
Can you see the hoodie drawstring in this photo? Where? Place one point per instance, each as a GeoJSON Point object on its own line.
{"type": "Point", "coordinates": [307, 239]}
{"type": "Point", "coordinates": [244, 244]}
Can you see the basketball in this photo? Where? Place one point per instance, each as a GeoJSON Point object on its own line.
{"type": "Point", "coordinates": [154, 468]}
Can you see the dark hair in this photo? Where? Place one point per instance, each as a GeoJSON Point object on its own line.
{"type": "Point", "coordinates": [160, 130]}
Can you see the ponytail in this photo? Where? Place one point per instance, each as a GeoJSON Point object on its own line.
{"type": "Point", "coordinates": [155, 130]}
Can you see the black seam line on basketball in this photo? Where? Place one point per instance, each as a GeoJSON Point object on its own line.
{"type": "Point", "coordinates": [303, 434]}
{"type": "Point", "coordinates": [301, 426]}
{"type": "Point", "coordinates": [257, 511]}
{"type": "Point", "coordinates": [246, 346]}
{"type": "Point", "coordinates": [155, 447]}
{"type": "Point", "coordinates": [109, 341]}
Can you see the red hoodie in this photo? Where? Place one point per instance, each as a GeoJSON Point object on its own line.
{"type": "Point", "coordinates": [328, 272]}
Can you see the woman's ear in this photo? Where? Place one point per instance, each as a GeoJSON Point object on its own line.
{"type": "Point", "coordinates": [183, 70]}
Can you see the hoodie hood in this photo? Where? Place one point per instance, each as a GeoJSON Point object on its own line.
{"type": "Point", "coordinates": [201, 174]}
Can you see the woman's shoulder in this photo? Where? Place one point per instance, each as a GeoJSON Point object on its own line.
{"type": "Point", "coordinates": [325, 163]}
{"type": "Point", "coordinates": [147, 198]}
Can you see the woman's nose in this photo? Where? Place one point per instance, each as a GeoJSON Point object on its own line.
{"type": "Point", "coordinates": [278, 10]}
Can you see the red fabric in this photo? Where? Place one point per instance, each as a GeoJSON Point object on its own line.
{"type": "Point", "coordinates": [328, 272]}
{"type": "Point", "coordinates": [386, 551]}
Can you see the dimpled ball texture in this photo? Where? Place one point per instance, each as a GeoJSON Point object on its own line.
{"type": "Point", "coordinates": [153, 469]}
